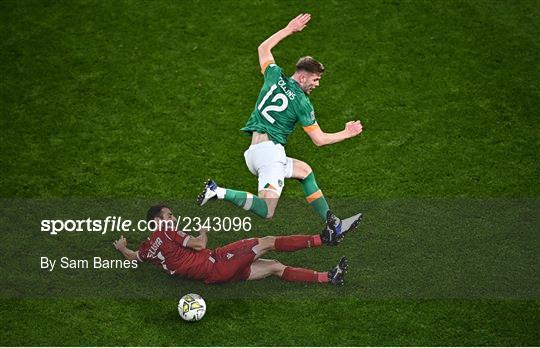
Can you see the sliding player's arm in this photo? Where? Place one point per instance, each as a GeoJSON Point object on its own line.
{"type": "Point", "coordinates": [320, 138]}
{"type": "Point", "coordinates": [121, 246]}
{"type": "Point", "coordinates": [265, 49]}
{"type": "Point", "coordinates": [198, 243]}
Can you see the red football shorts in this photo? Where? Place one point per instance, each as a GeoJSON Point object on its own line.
{"type": "Point", "coordinates": [233, 261]}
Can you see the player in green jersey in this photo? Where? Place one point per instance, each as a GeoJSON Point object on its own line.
{"type": "Point", "coordinates": [282, 102]}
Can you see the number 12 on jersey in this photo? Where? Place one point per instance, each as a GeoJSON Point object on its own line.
{"type": "Point", "coordinates": [273, 106]}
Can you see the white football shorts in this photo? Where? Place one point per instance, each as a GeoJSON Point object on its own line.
{"type": "Point", "coordinates": [270, 164]}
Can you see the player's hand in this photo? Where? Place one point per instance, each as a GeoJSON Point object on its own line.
{"type": "Point", "coordinates": [298, 23]}
{"type": "Point", "coordinates": [120, 244]}
{"type": "Point", "coordinates": [353, 128]}
{"type": "Point", "coordinates": [203, 231]}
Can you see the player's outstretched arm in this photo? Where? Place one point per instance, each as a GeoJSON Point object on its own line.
{"type": "Point", "coordinates": [121, 246]}
{"type": "Point", "coordinates": [320, 138]}
{"type": "Point", "coordinates": [198, 243]}
{"type": "Point", "coordinates": [295, 25]}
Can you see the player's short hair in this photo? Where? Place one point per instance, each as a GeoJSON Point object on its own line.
{"type": "Point", "coordinates": [155, 211]}
{"type": "Point", "coordinates": [310, 65]}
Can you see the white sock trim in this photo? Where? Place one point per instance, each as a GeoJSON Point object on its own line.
{"type": "Point", "coordinates": [220, 192]}
{"type": "Point", "coordinates": [249, 202]}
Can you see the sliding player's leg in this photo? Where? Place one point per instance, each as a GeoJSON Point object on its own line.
{"type": "Point", "coordinates": [233, 261]}
{"type": "Point", "coordinates": [296, 242]}
{"type": "Point", "coordinates": [286, 243]}
{"type": "Point", "coordinates": [262, 268]}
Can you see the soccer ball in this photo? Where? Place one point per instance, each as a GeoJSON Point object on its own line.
{"type": "Point", "coordinates": [191, 307]}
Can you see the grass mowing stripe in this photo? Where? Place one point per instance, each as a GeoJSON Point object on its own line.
{"type": "Point", "coordinates": [248, 323]}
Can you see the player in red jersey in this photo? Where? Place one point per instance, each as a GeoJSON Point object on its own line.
{"type": "Point", "coordinates": [181, 254]}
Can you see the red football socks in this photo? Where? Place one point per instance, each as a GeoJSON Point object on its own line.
{"type": "Point", "coordinates": [291, 274]}
{"type": "Point", "coordinates": [293, 243]}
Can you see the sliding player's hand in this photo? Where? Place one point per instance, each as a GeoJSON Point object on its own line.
{"type": "Point", "coordinates": [298, 23]}
{"type": "Point", "coordinates": [121, 243]}
{"type": "Point", "coordinates": [203, 231]}
{"type": "Point", "coordinates": [353, 128]}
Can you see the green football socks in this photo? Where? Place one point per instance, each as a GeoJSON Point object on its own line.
{"type": "Point", "coordinates": [314, 195]}
{"type": "Point", "coordinates": [247, 201]}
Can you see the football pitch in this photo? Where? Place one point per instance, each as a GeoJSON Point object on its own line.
{"type": "Point", "coordinates": [111, 106]}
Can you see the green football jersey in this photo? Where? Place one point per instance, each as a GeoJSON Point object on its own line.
{"type": "Point", "coordinates": [281, 104]}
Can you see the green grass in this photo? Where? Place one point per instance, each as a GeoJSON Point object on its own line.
{"type": "Point", "coordinates": [129, 99]}
{"type": "Point", "coordinates": [264, 323]}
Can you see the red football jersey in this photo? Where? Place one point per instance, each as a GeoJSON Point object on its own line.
{"type": "Point", "coordinates": [168, 249]}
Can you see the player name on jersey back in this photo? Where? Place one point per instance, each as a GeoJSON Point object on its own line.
{"type": "Point", "coordinates": [283, 85]}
